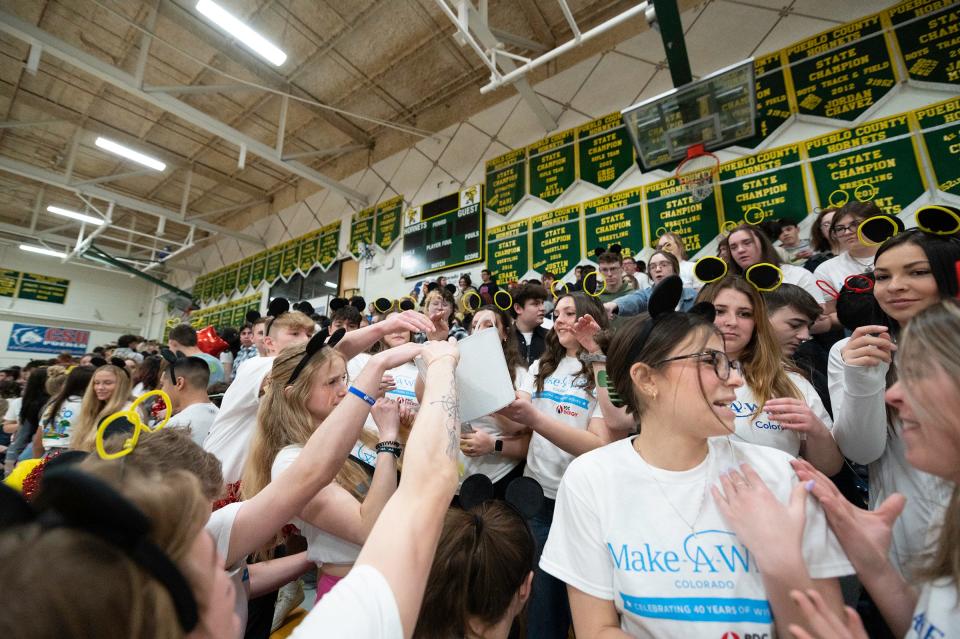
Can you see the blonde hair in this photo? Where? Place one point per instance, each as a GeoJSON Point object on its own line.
{"type": "Point", "coordinates": [933, 337]}
{"type": "Point", "coordinates": [93, 411]}
{"type": "Point", "coordinates": [283, 420]}
{"type": "Point", "coordinates": [293, 320]}
{"type": "Point", "coordinates": [764, 367]}
{"type": "Point", "coordinates": [83, 586]}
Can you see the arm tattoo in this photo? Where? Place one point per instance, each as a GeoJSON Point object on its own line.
{"type": "Point", "coordinates": [450, 404]}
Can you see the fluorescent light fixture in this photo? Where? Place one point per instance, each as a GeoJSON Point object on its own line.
{"type": "Point", "coordinates": [241, 32]}
{"type": "Point", "coordinates": [332, 285]}
{"type": "Point", "coordinates": [74, 215]}
{"type": "Point", "coordinates": [130, 154]}
{"type": "Point", "coordinates": [42, 250]}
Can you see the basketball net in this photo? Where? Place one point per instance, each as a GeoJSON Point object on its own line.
{"type": "Point", "coordinates": [697, 171]}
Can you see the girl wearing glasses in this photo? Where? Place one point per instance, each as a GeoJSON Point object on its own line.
{"type": "Point", "coordinates": [775, 406]}
{"type": "Point", "coordinates": [646, 546]}
{"type": "Point", "coordinates": [855, 256]}
{"type": "Point", "coordinates": [662, 264]}
{"type": "Point", "coordinates": [913, 270]}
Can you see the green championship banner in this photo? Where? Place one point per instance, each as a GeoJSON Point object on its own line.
{"type": "Point", "coordinates": [444, 233]}
{"type": "Point", "coordinates": [361, 229]}
{"type": "Point", "coordinates": [199, 285]}
{"type": "Point", "coordinates": [8, 283]}
{"type": "Point", "coordinates": [389, 222]}
{"type": "Point", "coordinates": [887, 171]}
{"type": "Point", "coordinates": [943, 145]}
{"type": "Point", "coordinates": [290, 261]}
{"type": "Point", "coordinates": [243, 274]}
{"type": "Point", "coordinates": [239, 316]}
{"type": "Point", "coordinates": [506, 181]}
{"type": "Point", "coordinates": [773, 98]}
{"type": "Point", "coordinates": [927, 32]}
{"type": "Point", "coordinates": [557, 241]}
{"type": "Point", "coordinates": [755, 187]}
{"type": "Point", "coordinates": [842, 72]}
{"type": "Point", "coordinates": [605, 151]}
{"type": "Point", "coordinates": [615, 219]}
{"type": "Point", "coordinates": [308, 251]}
{"type": "Point", "coordinates": [217, 289]}
{"type": "Point", "coordinates": [42, 288]}
{"type": "Point", "coordinates": [553, 165]}
{"type": "Point", "coordinates": [328, 248]}
{"type": "Point", "coordinates": [230, 279]}
{"type": "Point", "coordinates": [670, 208]}
{"type": "Point", "coordinates": [258, 269]}
{"type": "Point", "coordinates": [274, 264]}
{"type": "Point", "coordinates": [508, 251]}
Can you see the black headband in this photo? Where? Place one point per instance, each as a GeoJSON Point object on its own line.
{"type": "Point", "coordinates": [314, 346]}
{"type": "Point", "coordinates": [524, 496]}
{"type": "Point", "coordinates": [70, 498]}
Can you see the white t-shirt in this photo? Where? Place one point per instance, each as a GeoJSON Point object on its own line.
{"type": "Point", "coordinates": [220, 527]}
{"type": "Point", "coordinates": [13, 409]}
{"type": "Point", "coordinates": [758, 428]}
{"type": "Point", "coordinates": [496, 467]}
{"type": "Point", "coordinates": [565, 399]}
{"type": "Point", "coordinates": [360, 605]}
{"type": "Point", "coordinates": [937, 615]}
{"type": "Point", "coordinates": [837, 269]}
{"type": "Point", "coordinates": [198, 418]}
{"type": "Point", "coordinates": [686, 274]}
{"type": "Point", "coordinates": [231, 431]}
{"type": "Point", "coordinates": [56, 429]}
{"type": "Point", "coordinates": [804, 279]}
{"type": "Point", "coordinates": [616, 536]}
{"type": "Point", "coordinates": [405, 378]}
{"type": "Point", "coordinates": [322, 547]}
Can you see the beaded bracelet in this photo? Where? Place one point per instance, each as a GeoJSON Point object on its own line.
{"type": "Point", "coordinates": [393, 448]}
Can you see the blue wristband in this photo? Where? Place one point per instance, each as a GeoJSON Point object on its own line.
{"type": "Point", "coordinates": [353, 390]}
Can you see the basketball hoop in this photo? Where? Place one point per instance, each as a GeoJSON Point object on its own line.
{"type": "Point", "coordinates": [697, 171]}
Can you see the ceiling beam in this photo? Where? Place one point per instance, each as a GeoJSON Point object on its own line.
{"type": "Point", "coordinates": [92, 65]}
{"type": "Point", "coordinates": [128, 202]}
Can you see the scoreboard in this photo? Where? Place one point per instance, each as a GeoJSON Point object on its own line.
{"type": "Point", "coordinates": [443, 234]}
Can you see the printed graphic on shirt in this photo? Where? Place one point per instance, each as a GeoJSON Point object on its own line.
{"type": "Point", "coordinates": [57, 428]}
{"type": "Point", "coordinates": [705, 562]}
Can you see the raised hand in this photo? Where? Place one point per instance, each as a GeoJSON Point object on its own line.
{"type": "Point", "coordinates": [434, 351]}
{"type": "Point", "coordinates": [822, 621]}
{"type": "Point", "coordinates": [393, 357]}
{"type": "Point", "coordinates": [795, 414]}
{"type": "Point", "coordinates": [585, 330]}
{"type": "Point", "coordinates": [869, 346]}
{"type": "Point", "coordinates": [611, 309]}
{"type": "Point", "coordinates": [519, 410]}
{"type": "Point", "coordinates": [386, 415]}
{"type": "Point", "coordinates": [407, 321]}
{"type": "Point", "coordinates": [864, 535]}
{"type": "Point", "coordinates": [770, 529]}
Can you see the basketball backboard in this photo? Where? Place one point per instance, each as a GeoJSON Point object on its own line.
{"type": "Point", "coordinates": [715, 112]}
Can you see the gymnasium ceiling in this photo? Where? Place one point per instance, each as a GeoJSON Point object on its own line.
{"type": "Point", "coordinates": [363, 79]}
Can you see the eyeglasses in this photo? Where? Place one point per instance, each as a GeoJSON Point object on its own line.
{"type": "Point", "coordinates": [841, 229]}
{"type": "Point", "coordinates": [656, 266]}
{"type": "Point", "coordinates": [722, 365]}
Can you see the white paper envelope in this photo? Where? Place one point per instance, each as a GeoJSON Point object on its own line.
{"type": "Point", "coordinates": [483, 380]}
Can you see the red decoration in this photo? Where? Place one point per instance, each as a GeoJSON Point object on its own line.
{"type": "Point", "coordinates": [210, 343]}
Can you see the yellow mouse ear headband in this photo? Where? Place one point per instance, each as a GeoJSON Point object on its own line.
{"type": "Point", "coordinates": [132, 417]}
{"type": "Point", "coordinates": [764, 277]}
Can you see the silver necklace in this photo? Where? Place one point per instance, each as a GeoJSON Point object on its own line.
{"type": "Point", "coordinates": [663, 493]}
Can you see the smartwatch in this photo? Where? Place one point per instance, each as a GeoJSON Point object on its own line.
{"type": "Point", "coordinates": [497, 446]}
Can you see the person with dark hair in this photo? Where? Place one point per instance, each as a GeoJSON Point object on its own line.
{"type": "Point", "coordinates": [824, 245]}
{"type": "Point", "coordinates": [183, 339]}
{"type": "Point", "coordinates": [643, 537]}
{"type": "Point", "coordinates": [247, 349]}
{"type": "Point", "coordinates": [663, 264]}
{"type": "Point", "coordinates": [186, 380]}
{"type": "Point", "coordinates": [63, 411]}
{"type": "Point", "coordinates": [559, 402]}
{"type": "Point", "coordinates": [488, 286]}
{"type": "Point", "coordinates": [632, 273]}
{"type": "Point", "coordinates": [798, 250]}
{"type": "Point", "coordinates": [481, 576]}
{"type": "Point", "coordinates": [345, 317]}
{"type": "Point", "coordinates": [855, 256]}
{"type": "Point", "coordinates": [127, 348]}
{"type": "Point", "coordinates": [913, 270]}
{"type": "Point", "coordinates": [528, 313]}
{"type": "Point", "coordinates": [748, 246]}
{"type": "Point", "coordinates": [35, 397]}
{"type": "Point", "coordinates": [613, 285]}
{"type": "Point", "coordinates": [147, 377]}
{"type": "Point", "coordinates": [232, 337]}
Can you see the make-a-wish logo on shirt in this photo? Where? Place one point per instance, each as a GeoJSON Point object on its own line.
{"type": "Point", "coordinates": [703, 552]}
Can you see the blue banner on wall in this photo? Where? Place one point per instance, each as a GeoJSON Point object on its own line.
{"type": "Point", "coordinates": [30, 338]}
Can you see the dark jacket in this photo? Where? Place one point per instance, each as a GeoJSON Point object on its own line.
{"type": "Point", "coordinates": [537, 344]}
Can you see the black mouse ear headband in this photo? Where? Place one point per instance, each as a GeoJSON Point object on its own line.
{"type": "Point", "coordinates": [663, 303]}
{"type": "Point", "coordinates": [314, 346]}
{"type": "Point", "coordinates": [278, 306]}
{"type": "Point", "coordinates": [70, 498]}
{"type": "Point", "coordinates": [933, 219]}
{"type": "Point", "coordinates": [385, 305]}
{"type": "Point", "coordinates": [524, 496]}
{"type": "Point", "coordinates": [171, 358]}
{"type": "Point", "coordinates": [305, 307]}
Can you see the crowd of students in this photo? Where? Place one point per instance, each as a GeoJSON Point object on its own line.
{"type": "Point", "coordinates": [685, 456]}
